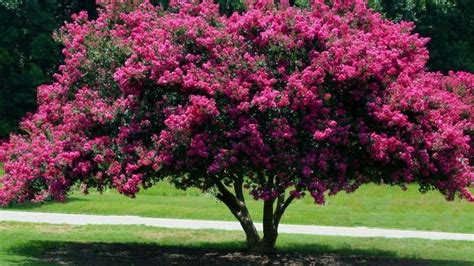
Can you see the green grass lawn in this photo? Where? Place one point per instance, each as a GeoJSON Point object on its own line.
{"type": "Point", "coordinates": [371, 206]}
{"type": "Point", "coordinates": [25, 243]}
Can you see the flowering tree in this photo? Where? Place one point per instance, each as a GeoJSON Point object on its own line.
{"type": "Point", "coordinates": [282, 101]}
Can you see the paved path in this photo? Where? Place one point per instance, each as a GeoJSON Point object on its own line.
{"type": "Point", "coordinates": [79, 219]}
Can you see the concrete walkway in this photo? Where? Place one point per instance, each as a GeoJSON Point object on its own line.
{"type": "Point", "coordinates": [79, 219]}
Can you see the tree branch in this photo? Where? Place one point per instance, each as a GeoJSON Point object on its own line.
{"type": "Point", "coordinates": [227, 197]}
{"type": "Point", "coordinates": [238, 189]}
{"type": "Point", "coordinates": [281, 207]}
{"type": "Point", "coordinates": [239, 210]}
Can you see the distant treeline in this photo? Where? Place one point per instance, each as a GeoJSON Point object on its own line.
{"type": "Point", "coordinates": [29, 55]}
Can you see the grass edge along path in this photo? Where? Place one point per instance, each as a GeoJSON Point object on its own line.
{"type": "Point", "coordinates": [376, 206]}
{"type": "Point", "coordinates": [81, 219]}
{"type": "Point", "coordinates": [41, 244]}
{"type": "Point", "coordinates": [371, 206]}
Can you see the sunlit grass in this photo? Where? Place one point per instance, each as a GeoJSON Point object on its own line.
{"type": "Point", "coordinates": [371, 206]}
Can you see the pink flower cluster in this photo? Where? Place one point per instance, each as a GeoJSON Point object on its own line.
{"type": "Point", "coordinates": [311, 101]}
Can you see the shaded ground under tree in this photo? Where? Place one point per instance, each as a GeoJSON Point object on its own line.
{"type": "Point", "coordinates": [97, 253]}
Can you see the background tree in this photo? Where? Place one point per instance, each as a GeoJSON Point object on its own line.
{"type": "Point", "coordinates": [449, 24]}
{"type": "Point", "coordinates": [28, 54]}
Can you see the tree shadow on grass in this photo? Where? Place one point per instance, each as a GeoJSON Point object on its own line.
{"type": "Point", "coordinates": [223, 253]}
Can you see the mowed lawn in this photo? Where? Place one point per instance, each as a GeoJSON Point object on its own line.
{"type": "Point", "coordinates": [371, 206]}
{"type": "Point", "coordinates": [40, 244]}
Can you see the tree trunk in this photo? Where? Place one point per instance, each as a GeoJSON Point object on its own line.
{"type": "Point", "coordinates": [270, 232]}
{"type": "Point", "coordinates": [251, 233]}
{"type": "Point", "coordinates": [271, 217]}
{"type": "Point", "coordinates": [236, 204]}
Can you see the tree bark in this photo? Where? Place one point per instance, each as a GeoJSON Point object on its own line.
{"type": "Point", "coordinates": [282, 204]}
{"type": "Point", "coordinates": [239, 210]}
{"type": "Point", "coordinates": [271, 216]}
{"type": "Point", "coordinates": [270, 232]}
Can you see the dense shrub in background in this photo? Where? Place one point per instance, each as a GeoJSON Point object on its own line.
{"type": "Point", "coordinates": [28, 54]}
{"type": "Point", "coordinates": [286, 102]}
{"type": "Point", "coordinates": [448, 23]}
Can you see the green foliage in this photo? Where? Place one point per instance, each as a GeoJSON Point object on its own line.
{"type": "Point", "coordinates": [23, 28]}
{"type": "Point", "coordinates": [27, 57]}
{"type": "Point", "coordinates": [230, 6]}
{"type": "Point", "coordinates": [28, 53]}
{"type": "Point", "coordinates": [449, 24]}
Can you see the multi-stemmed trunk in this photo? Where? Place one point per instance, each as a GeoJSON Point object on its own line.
{"type": "Point", "coordinates": [273, 210]}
